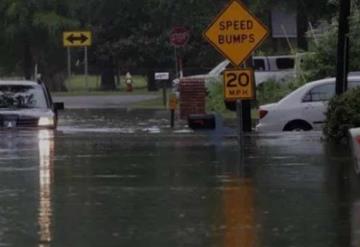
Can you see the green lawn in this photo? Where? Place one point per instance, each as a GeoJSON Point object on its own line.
{"type": "Point", "coordinates": [77, 83]}
{"type": "Point", "coordinates": [77, 87]}
{"type": "Point", "coordinates": [97, 92]}
{"type": "Point", "coordinates": [151, 104]}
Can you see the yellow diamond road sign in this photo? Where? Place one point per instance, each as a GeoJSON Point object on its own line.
{"type": "Point", "coordinates": [236, 32]}
{"type": "Point", "coordinates": [77, 39]}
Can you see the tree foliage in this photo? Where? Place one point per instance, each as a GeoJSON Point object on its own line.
{"type": "Point", "coordinates": [127, 34]}
{"type": "Point", "coordinates": [321, 60]}
{"type": "Point", "coordinates": [30, 35]}
{"type": "Point", "coordinates": [343, 113]}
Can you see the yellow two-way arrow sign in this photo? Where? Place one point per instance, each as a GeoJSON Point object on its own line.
{"type": "Point", "coordinates": [77, 39]}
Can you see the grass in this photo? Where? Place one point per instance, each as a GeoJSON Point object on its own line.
{"type": "Point", "coordinates": [104, 93]}
{"type": "Point", "coordinates": [77, 83]}
{"type": "Point", "coordinates": [150, 104]}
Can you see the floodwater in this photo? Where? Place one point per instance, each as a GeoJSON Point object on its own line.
{"type": "Point", "coordinates": [119, 178]}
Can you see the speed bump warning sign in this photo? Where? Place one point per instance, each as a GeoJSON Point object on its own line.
{"type": "Point", "coordinates": [236, 32]}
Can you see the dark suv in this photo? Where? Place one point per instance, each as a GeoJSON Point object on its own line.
{"type": "Point", "coordinates": [27, 104]}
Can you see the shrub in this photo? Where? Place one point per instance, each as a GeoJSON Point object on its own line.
{"type": "Point", "coordinates": [271, 91]}
{"type": "Point", "coordinates": [215, 99]}
{"type": "Point", "coordinates": [320, 61]}
{"type": "Point", "coordinates": [343, 113]}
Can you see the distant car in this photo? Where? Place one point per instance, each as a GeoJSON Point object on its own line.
{"type": "Point", "coordinates": [278, 68]}
{"type": "Point", "coordinates": [303, 109]}
{"type": "Point", "coordinates": [27, 104]}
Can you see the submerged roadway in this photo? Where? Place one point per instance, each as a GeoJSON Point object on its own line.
{"type": "Point", "coordinates": [117, 177]}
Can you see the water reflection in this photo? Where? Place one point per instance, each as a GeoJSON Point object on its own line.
{"type": "Point", "coordinates": [46, 154]}
{"type": "Point", "coordinates": [239, 214]}
{"type": "Point", "coordinates": [239, 204]}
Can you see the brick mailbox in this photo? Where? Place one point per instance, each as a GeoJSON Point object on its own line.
{"type": "Point", "coordinates": [192, 97]}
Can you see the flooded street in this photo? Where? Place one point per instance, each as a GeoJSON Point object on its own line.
{"type": "Point", "coordinates": [124, 178]}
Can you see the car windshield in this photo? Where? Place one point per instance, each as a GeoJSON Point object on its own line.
{"type": "Point", "coordinates": [22, 96]}
{"type": "Point", "coordinates": [219, 68]}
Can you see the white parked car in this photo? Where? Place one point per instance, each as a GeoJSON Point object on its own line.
{"type": "Point", "coordinates": [303, 109]}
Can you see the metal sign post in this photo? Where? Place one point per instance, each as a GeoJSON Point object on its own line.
{"type": "Point", "coordinates": [164, 93]}
{"type": "Point", "coordinates": [78, 39]}
{"type": "Point", "coordinates": [343, 48]}
{"type": "Point", "coordinates": [176, 63]}
{"type": "Point", "coordinates": [239, 114]}
{"type": "Point", "coordinates": [179, 36]}
{"type": "Point", "coordinates": [68, 62]}
{"type": "Point", "coordinates": [86, 72]}
{"type": "Point", "coordinates": [163, 77]}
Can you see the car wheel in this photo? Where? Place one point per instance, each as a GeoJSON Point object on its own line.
{"type": "Point", "coordinates": [297, 125]}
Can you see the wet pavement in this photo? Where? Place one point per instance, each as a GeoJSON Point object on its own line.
{"type": "Point", "coordinates": [102, 101]}
{"type": "Point", "coordinates": [124, 178]}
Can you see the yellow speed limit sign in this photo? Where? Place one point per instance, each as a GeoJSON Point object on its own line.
{"type": "Point", "coordinates": [239, 84]}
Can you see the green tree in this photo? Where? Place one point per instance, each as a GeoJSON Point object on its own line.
{"type": "Point", "coordinates": [308, 11]}
{"type": "Point", "coordinates": [31, 28]}
{"type": "Point", "coordinates": [136, 34]}
{"type": "Point", "coordinates": [321, 61]}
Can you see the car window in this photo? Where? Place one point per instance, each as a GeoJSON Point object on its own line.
{"type": "Point", "coordinates": [22, 96]}
{"type": "Point", "coordinates": [285, 63]}
{"type": "Point", "coordinates": [259, 64]}
{"type": "Point", "coordinates": [320, 93]}
{"type": "Point", "coordinates": [219, 68]}
{"type": "Point", "coordinates": [229, 66]}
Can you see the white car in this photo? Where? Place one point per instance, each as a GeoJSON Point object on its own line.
{"type": "Point", "coordinates": [303, 109]}
{"type": "Point", "coordinates": [27, 104]}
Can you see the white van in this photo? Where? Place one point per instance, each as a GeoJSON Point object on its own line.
{"type": "Point", "coordinates": [278, 68]}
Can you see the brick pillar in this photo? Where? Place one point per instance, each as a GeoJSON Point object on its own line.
{"type": "Point", "coordinates": [192, 97]}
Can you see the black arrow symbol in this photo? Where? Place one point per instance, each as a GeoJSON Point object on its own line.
{"type": "Point", "coordinates": [72, 38]}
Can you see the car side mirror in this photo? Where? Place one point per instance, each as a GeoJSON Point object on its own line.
{"type": "Point", "coordinates": [59, 106]}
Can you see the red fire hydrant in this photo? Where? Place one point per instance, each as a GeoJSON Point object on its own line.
{"type": "Point", "coordinates": [129, 82]}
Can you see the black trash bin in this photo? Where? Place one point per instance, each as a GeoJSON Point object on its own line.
{"type": "Point", "coordinates": [201, 121]}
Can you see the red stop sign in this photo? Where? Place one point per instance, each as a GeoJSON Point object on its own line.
{"type": "Point", "coordinates": [179, 36]}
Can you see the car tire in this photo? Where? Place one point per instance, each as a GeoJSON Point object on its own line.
{"type": "Point", "coordinates": [297, 125]}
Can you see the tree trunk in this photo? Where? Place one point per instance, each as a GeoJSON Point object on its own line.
{"type": "Point", "coordinates": [27, 63]}
{"type": "Point", "coordinates": [108, 75]}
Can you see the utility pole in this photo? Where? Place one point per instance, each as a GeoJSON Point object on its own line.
{"type": "Point", "coordinates": [343, 47]}
{"type": "Point", "coordinates": [246, 104]}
